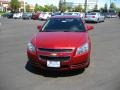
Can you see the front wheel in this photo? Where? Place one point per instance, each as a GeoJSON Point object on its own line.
{"type": "Point", "coordinates": [98, 21]}
{"type": "Point", "coordinates": [104, 20]}
{"type": "Point", "coordinates": [88, 64]}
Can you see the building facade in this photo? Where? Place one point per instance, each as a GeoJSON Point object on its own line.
{"type": "Point", "coordinates": [5, 6]}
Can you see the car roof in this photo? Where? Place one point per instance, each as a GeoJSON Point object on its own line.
{"type": "Point", "coordinates": [65, 16]}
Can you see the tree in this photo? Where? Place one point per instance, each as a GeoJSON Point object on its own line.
{"type": "Point", "coordinates": [52, 8]}
{"type": "Point", "coordinates": [46, 8]}
{"type": "Point", "coordinates": [28, 8]}
{"type": "Point", "coordinates": [112, 6]}
{"type": "Point", "coordinates": [105, 6]}
{"type": "Point", "coordinates": [41, 8]}
{"type": "Point", "coordinates": [118, 9]}
{"type": "Point", "coordinates": [69, 8]}
{"type": "Point", "coordinates": [96, 7]}
{"type": "Point", "coordinates": [62, 5]}
{"type": "Point", "coordinates": [15, 5]}
{"type": "Point", "coordinates": [36, 8]}
{"type": "Point", "coordinates": [78, 8]}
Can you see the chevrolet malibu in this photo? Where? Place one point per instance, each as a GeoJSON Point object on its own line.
{"type": "Point", "coordinates": [62, 43]}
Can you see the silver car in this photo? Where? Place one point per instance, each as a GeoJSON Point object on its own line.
{"type": "Point", "coordinates": [81, 14]}
{"type": "Point", "coordinates": [27, 15]}
{"type": "Point", "coordinates": [94, 17]}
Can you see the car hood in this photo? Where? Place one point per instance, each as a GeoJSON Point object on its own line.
{"type": "Point", "coordinates": [60, 39]}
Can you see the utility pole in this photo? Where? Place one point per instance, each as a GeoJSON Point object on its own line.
{"type": "Point", "coordinates": [96, 2]}
{"type": "Point", "coordinates": [85, 6]}
{"type": "Point", "coordinates": [110, 5]}
{"type": "Point", "coordinates": [24, 6]}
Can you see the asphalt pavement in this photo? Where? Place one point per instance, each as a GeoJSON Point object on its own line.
{"type": "Point", "coordinates": [15, 73]}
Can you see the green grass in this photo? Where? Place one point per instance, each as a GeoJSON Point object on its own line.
{"type": "Point", "coordinates": [1, 13]}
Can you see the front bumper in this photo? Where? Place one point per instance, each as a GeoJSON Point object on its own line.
{"type": "Point", "coordinates": [76, 62]}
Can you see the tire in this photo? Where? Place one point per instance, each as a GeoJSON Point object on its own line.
{"type": "Point", "coordinates": [104, 20]}
{"type": "Point", "coordinates": [98, 21]}
{"type": "Point", "coordinates": [29, 18]}
{"type": "Point", "coordinates": [88, 63]}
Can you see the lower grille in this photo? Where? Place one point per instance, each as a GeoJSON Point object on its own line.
{"type": "Point", "coordinates": [54, 58]}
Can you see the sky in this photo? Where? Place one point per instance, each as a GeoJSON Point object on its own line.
{"type": "Point", "coordinates": [55, 2]}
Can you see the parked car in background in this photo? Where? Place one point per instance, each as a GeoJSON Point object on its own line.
{"type": "Point", "coordinates": [17, 15]}
{"type": "Point", "coordinates": [75, 13]}
{"type": "Point", "coordinates": [72, 13]}
{"type": "Point", "coordinates": [113, 15]}
{"type": "Point", "coordinates": [63, 43]}
{"type": "Point", "coordinates": [56, 13]}
{"type": "Point", "coordinates": [5, 14]}
{"type": "Point", "coordinates": [82, 14]}
{"type": "Point", "coordinates": [44, 15]}
{"type": "Point", "coordinates": [94, 17]}
{"type": "Point", "coordinates": [35, 16]}
{"type": "Point", "coordinates": [108, 15]}
{"type": "Point", "coordinates": [10, 15]}
{"type": "Point", "coordinates": [27, 15]}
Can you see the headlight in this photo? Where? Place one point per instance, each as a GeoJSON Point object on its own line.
{"type": "Point", "coordinates": [30, 47]}
{"type": "Point", "coordinates": [82, 49]}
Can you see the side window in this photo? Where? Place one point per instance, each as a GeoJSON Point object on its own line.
{"type": "Point", "coordinates": [101, 14]}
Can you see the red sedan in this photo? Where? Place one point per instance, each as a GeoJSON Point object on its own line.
{"type": "Point", "coordinates": [35, 16]}
{"type": "Point", "coordinates": [62, 43]}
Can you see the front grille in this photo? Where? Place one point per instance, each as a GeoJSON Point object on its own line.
{"type": "Point", "coordinates": [55, 50]}
{"type": "Point", "coordinates": [54, 58]}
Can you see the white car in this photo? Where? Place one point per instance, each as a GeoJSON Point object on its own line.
{"type": "Point", "coordinates": [44, 15]}
{"type": "Point", "coordinates": [94, 17]}
{"type": "Point", "coordinates": [17, 15]}
{"type": "Point", "coordinates": [72, 13]}
{"type": "Point", "coordinates": [75, 13]}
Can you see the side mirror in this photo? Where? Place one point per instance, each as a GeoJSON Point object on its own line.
{"type": "Point", "coordinates": [89, 27]}
{"type": "Point", "coordinates": [39, 27]}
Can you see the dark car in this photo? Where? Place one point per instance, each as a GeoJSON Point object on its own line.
{"type": "Point", "coordinates": [35, 16]}
{"type": "Point", "coordinates": [63, 43]}
{"type": "Point", "coordinates": [27, 15]}
{"type": "Point", "coordinates": [5, 14]}
{"type": "Point", "coordinates": [10, 15]}
{"type": "Point", "coordinates": [56, 13]}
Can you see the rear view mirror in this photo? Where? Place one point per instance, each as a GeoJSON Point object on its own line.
{"type": "Point", "coordinates": [39, 27]}
{"type": "Point", "coordinates": [89, 27]}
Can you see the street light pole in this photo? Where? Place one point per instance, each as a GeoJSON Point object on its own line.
{"type": "Point", "coordinates": [110, 5]}
{"type": "Point", "coordinates": [24, 6]}
{"type": "Point", "coordinates": [85, 6]}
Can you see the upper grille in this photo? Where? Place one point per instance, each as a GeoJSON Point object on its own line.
{"type": "Point", "coordinates": [56, 58]}
{"type": "Point", "coordinates": [55, 50]}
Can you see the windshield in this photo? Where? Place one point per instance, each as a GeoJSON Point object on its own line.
{"type": "Point", "coordinates": [27, 13]}
{"type": "Point", "coordinates": [67, 13]}
{"type": "Point", "coordinates": [64, 25]}
{"type": "Point", "coordinates": [92, 13]}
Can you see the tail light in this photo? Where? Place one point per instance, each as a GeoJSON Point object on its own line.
{"type": "Point", "coordinates": [93, 16]}
{"type": "Point", "coordinates": [85, 16]}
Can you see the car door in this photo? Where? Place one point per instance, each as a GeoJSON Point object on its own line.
{"type": "Point", "coordinates": [99, 16]}
{"type": "Point", "coordinates": [102, 17]}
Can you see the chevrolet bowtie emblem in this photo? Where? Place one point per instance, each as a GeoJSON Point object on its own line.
{"type": "Point", "coordinates": [53, 54]}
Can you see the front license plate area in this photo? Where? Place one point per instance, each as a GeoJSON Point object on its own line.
{"type": "Point", "coordinates": [53, 64]}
